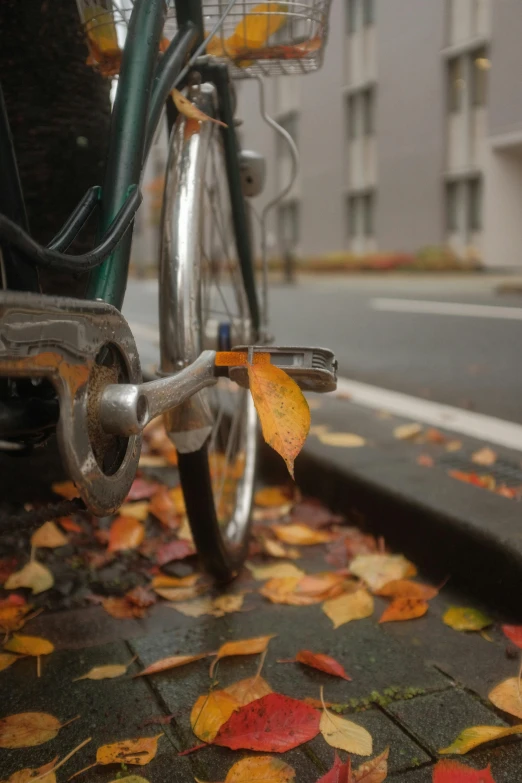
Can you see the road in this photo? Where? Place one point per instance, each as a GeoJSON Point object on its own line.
{"type": "Point", "coordinates": [452, 340]}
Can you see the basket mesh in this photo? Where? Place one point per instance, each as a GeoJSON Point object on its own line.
{"type": "Point", "coordinates": [267, 39]}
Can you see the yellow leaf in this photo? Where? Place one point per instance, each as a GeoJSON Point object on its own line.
{"type": "Point", "coordinates": [248, 690]}
{"type": "Point", "coordinates": [187, 108]}
{"type": "Point", "coordinates": [485, 456]}
{"type": "Point", "coordinates": [29, 645]}
{"type": "Point", "coordinates": [108, 672]}
{"type": "Point", "coordinates": [300, 534]}
{"type": "Point", "coordinates": [197, 608]}
{"type": "Point", "coordinates": [347, 440]}
{"type": "Point", "coordinates": [163, 580]}
{"type": "Point", "coordinates": [268, 497]}
{"type": "Point", "coordinates": [282, 591]}
{"type": "Point", "coordinates": [379, 569]}
{"type": "Point", "coordinates": [180, 593]}
{"type": "Point", "coordinates": [274, 571]}
{"type": "Point", "coordinates": [125, 533]}
{"type": "Point", "coordinates": [345, 735]}
{"type": "Point", "coordinates": [229, 603]}
{"type": "Point", "coordinates": [258, 644]}
{"type": "Point", "coordinates": [6, 660]}
{"type": "Point", "coordinates": [33, 575]}
{"type": "Point", "coordinates": [373, 771]}
{"type": "Point", "coordinates": [48, 535]}
{"type": "Point", "coordinates": [260, 769]}
{"type": "Point", "coordinates": [139, 510]}
{"type": "Point", "coordinates": [135, 751]}
{"type": "Point", "coordinates": [476, 735]}
{"type": "Point", "coordinates": [13, 617]}
{"type": "Point", "coordinates": [256, 27]}
{"type": "Point", "coordinates": [210, 712]}
{"type": "Point", "coordinates": [276, 549]}
{"type": "Point", "coordinates": [347, 607]}
{"type": "Point", "coordinates": [464, 618]}
{"type": "Point", "coordinates": [27, 775]}
{"type": "Point", "coordinates": [171, 663]}
{"type": "Point", "coordinates": [407, 431]}
{"type": "Point", "coordinates": [152, 461]}
{"type": "Point", "coordinates": [27, 729]}
{"type": "Point", "coordinates": [507, 696]}
{"type": "Point", "coordinates": [282, 409]}
{"type": "Point", "coordinates": [454, 445]}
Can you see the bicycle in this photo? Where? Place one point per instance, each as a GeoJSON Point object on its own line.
{"type": "Point", "coordinates": [70, 365]}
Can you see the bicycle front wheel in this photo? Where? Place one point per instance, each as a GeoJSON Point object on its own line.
{"type": "Point", "coordinates": [203, 305]}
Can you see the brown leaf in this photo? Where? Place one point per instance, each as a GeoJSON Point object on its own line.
{"type": "Point", "coordinates": [184, 106]}
{"type": "Point", "coordinates": [141, 597]}
{"type": "Point", "coordinates": [404, 609]}
{"type": "Point", "coordinates": [13, 616]}
{"type": "Point", "coordinates": [125, 533]}
{"type": "Point", "coordinates": [27, 729]}
{"type": "Point", "coordinates": [48, 535]}
{"type": "Point", "coordinates": [120, 608]}
{"type": "Point", "coordinates": [164, 508]}
{"type": "Point", "coordinates": [373, 771]}
{"type": "Point", "coordinates": [252, 646]}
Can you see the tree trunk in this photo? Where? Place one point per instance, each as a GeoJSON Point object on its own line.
{"type": "Point", "coordinates": [59, 111]}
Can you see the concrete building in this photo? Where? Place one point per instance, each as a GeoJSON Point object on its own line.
{"type": "Point", "coordinates": [410, 135]}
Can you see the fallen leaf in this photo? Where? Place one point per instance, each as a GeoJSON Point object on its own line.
{"type": "Point", "coordinates": [173, 550]}
{"type": "Point", "coordinates": [274, 571]}
{"type": "Point", "coordinates": [142, 489]}
{"type": "Point", "coordinates": [379, 569]}
{"type": "Point", "coordinates": [13, 616]}
{"type": "Point", "coordinates": [463, 618]}
{"type": "Point", "coordinates": [283, 591]}
{"type": "Point", "coordinates": [345, 735]}
{"type": "Point", "coordinates": [514, 634]}
{"type": "Point", "coordinates": [274, 723]}
{"type": "Point", "coordinates": [507, 696]}
{"type": "Point", "coordinates": [324, 585]}
{"type": "Point", "coordinates": [300, 534]}
{"type": "Point", "coordinates": [373, 771]}
{"type": "Point", "coordinates": [48, 535]}
{"type": "Point", "coordinates": [210, 712]}
{"type": "Point", "coordinates": [405, 588]}
{"type": "Point", "coordinates": [425, 460]}
{"type": "Point", "coordinates": [197, 608]}
{"type": "Point", "coordinates": [27, 729]}
{"type": "Point", "coordinates": [29, 645]}
{"type": "Point", "coordinates": [282, 409]}
{"type": "Point", "coordinates": [125, 533]}
{"type": "Point", "coordinates": [339, 772]}
{"type": "Point", "coordinates": [120, 608]}
{"type": "Point", "coordinates": [404, 609]}
{"type": "Point", "coordinates": [130, 779]}
{"type": "Point", "coordinates": [108, 672]}
{"type": "Point", "coordinates": [139, 510]}
{"type": "Point", "coordinates": [135, 751]}
{"type": "Point", "coordinates": [164, 508]}
{"type": "Point", "coordinates": [276, 549]}
{"type": "Point", "coordinates": [248, 690]}
{"type": "Point", "coordinates": [322, 662]}
{"type": "Point", "coordinates": [257, 644]}
{"type": "Point", "coordinates": [449, 771]}
{"type": "Point", "coordinates": [260, 769]}
{"type": "Point", "coordinates": [188, 109]}
{"type": "Point", "coordinates": [352, 606]}
{"type": "Point", "coordinates": [141, 597]}
{"type": "Point", "coordinates": [152, 461]}
{"type": "Point", "coordinates": [485, 456]}
{"type": "Point", "coordinates": [7, 659]}
{"type": "Point", "coordinates": [454, 445]}
{"type": "Point", "coordinates": [8, 566]}
{"type": "Point", "coordinates": [433, 435]}
{"type": "Point", "coordinates": [34, 575]}
{"type": "Point", "coordinates": [171, 663]}
{"type": "Point", "coordinates": [66, 489]}
{"type": "Point", "coordinates": [477, 735]}
{"type": "Point", "coordinates": [163, 580]}
{"type": "Point", "coordinates": [181, 593]}
{"type": "Point", "coordinates": [229, 603]}
{"type": "Point", "coordinates": [407, 431]}
{"type": "Point", "coordinates": [346, 440]}
{"type": "Point", "coordinates": [45, 773]}
{"type": "Point", "coordinates": [273, 496]}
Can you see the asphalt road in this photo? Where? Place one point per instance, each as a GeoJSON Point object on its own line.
{"type": "Point", "coordinates": [469, 360]}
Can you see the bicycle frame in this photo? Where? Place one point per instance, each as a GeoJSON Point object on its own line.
{"type": "Point", "coordinates": [143, 89]}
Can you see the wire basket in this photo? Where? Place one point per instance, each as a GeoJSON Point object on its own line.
{"type": "Point", "coordinates": [255, 39]}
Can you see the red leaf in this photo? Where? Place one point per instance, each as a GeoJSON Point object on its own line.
{"type": "Point", "coordinates": [173, 550]}
{"type": "Point", "coordinates": [454, 772]}
{"type": "Point", "coordinates": [514, 634]}
{"type": "Point", "coordinates": [142, 489]}
{"type": "Point", "coordinates": [273, 723]}
{"type": "Point", "coordinates": [339, 773]}
{"type": "Point", "coordinates": [322, 662]}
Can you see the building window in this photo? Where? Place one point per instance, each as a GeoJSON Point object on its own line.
{"type": "Point", "coordinates": [475, 204]}
{"type": "Point", "coordinates": [455, 85]}
{"type": "Point", "coordinates": [480, 67]}
{"type": "Point", "coordinates": [368, 12]}
{"type": "Point", "coordinates": [368, 110]}
{"type": "Point", "coordinates": [351, 16]}
{"type": "Point", "coordinates": [452, 221]}
{"type": "Point", "coordinates": [353, 222]}
{"type": "Point", "coordinates": [288, 220]}
{"type": "Point", "coordinates": [361, 215]}
{"type": "Point", "coordinates": [351, 118]}
{"type": "Point", "coordinates": [368, 214]}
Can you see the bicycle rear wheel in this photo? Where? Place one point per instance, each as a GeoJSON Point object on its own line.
{"type": "Point", "coordinates": [203, 306]}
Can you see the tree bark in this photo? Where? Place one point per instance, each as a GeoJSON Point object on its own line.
{"type": "Point", "coordinates": [59, 111]}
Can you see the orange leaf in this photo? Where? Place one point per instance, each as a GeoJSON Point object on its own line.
{"type": "Point", "coordinates": [239, 358]}
{"type": "Point", "coordinates": [164, 507]}
{"type": "Point", "coordinates": [324, 585]}
{"type": "Point", "coordinates": [125, 533]}
{"type": "Point", "coordinates": [507, 696]}
{"type": "Point", "coordinates": [48, 535]}
{"type": "Point", "coordinates": [272, 496]}
{"type": "Point", "coordinates": [70, 525]}
{"type": "Point", "coordinates": [404, 609]}
{"type": "Point", "coordinates": [282, 409]}
{"type": "Point", "coordinates": [300, 534]}
{"type": "Point", "coordinates": [45, 773]}
{"type": "Point", "coordinates": [187, 108]}
{"type": "Point", "coordinates": [405, 588]}
{"type": "Point", "coordinates": [27, 729]}
{"type": "Point", "coordinates": [249, 689]}
{"type": "Point", "coordinates": [66, 489]}
{"type": "Point", "coordinates": [256, 27]}
{"type": "Point", "coordinates": [242, 647]}
{"type": "Point", "coordinates": [171, 663]}
{"type": "Point", "coordinates": [13, 617]}
{"type": "Point", "coordinates": [373, 771]}
{"type": "Point", "coordinates": [163, 580]}
{"type": "Point", "coordinates": [263, 769]}
{"type": "Point", "coordinates": [7, 659]}
{"type": "Point", "coordinates": [120, 608]}
{"type": "Point", "coordinates": [136, 751]}
{"type": "Point", "coordinates": [210, 712]}
{"type": "Point", "coordinates": [322, 662]}
{"type": "Point", "coordinates": [29, 645]}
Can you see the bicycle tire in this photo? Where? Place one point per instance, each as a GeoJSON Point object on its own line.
{"type": "Point", "coordinates": [219, 521]}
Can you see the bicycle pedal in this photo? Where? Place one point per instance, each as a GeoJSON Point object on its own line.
{"type": "Point", "coordinates": [313, 369]}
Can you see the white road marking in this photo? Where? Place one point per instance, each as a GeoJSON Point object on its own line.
{"type": "Point", "coordinates": [424, 306]}
{"type": "Point", "coordinates": [149, 333]}
{"type": "Point", "coordinates": [476, 425]}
